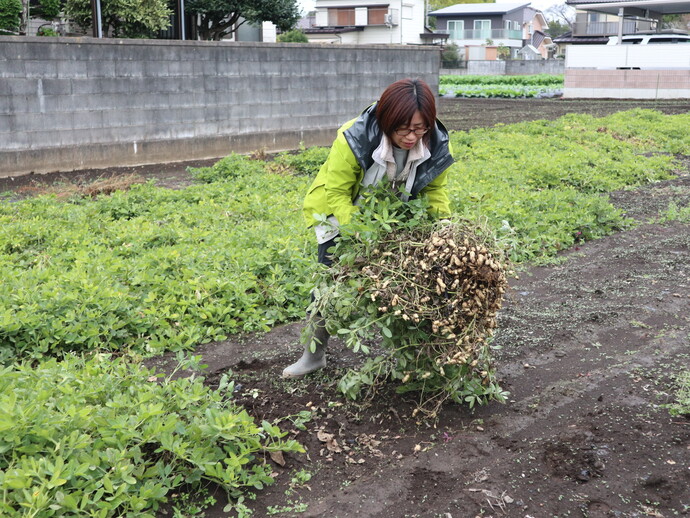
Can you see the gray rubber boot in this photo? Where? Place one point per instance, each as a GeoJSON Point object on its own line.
{"type": "Point", "coordinates": [310, 361]}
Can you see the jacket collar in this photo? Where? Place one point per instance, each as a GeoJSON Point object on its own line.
{"type": "Point", "coordinates": [364, 136]}
{"type": "Point", "coordinates": [384, 152]}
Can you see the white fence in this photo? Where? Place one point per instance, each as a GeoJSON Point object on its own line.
{"type": "Point", "coordinates": [619, 57]}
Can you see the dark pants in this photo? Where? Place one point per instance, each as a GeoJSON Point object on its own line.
{"type": "Point", "coordinates": [324, 256]}
{"type": "Point", "coordinates": [327, 259]}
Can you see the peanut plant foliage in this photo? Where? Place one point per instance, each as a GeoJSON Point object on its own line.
{"type": "Point", "coordinates": [102, 437]}
{"type": "Point", "coordinates": [151, 269]}
{"type": "Point", "coordinates": [92, 285]}
{"type": "Point", "coordinates": [431, 290]}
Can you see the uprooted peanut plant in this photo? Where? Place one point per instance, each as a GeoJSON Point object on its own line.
{"type": "Point", "coordinates": [427, 291]}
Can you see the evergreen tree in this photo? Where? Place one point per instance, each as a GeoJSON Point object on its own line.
{"type": "Point", "coordinates": [123, 18]}
{"type": "Point", "coordinates": [10, 16]}
{"type": "Point", "coordinates": [220, 18]}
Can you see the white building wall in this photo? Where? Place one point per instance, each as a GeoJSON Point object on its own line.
{"type": "Point", "coordinates": [269, 32]}
{"type": "Point", "coordinates": [414, 26]}
{"type": "Point", "coordinates": [408, 19]}
{"type": "Point", "coordinates": [350, 3]}
{"type": "Point", "coordinates": [645, 57]}
{"type": "Point", "coordinates": [378, 35]}
{"type": "Point", "coordinates": [321, 18]}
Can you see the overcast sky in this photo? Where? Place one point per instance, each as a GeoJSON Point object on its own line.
{"type": "Point", "coordinates": [542, 5]}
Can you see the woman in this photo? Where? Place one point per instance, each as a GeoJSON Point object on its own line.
{"type": "Point", "coordinates": [398, 138]}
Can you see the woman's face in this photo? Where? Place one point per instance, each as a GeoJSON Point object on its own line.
{"type": "Point", "coordinates": [403, 141]}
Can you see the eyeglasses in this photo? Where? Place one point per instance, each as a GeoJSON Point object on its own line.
{"type": "Point", "coordinates": [405, 132]}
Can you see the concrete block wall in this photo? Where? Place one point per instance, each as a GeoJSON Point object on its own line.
{"type": "Point", "coordinates": [70, 103]}
{"type": "Point", "coordinates": [512, 67]}
{"type": "Point", "coordinates": [486, 68]}
{"type": "Point", "coordinates": [517, 67]}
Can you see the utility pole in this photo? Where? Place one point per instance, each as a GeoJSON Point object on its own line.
{"type": "Point", "coordinates": [180, 20]}
{"type": "Point", "coordinates": [96, 17]}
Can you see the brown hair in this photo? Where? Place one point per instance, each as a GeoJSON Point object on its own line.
{"type": "Point", "coordinates": [399, 102]}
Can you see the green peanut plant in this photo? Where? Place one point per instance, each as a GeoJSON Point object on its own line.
{"type": "Point", "coordinates": [102, 437]}
{"type": "Point", "coordinates": [428, 291]}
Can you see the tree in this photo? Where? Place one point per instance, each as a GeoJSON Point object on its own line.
{"type": "Point", "coordinates": [435, 5]}
{"type": "Point", "coordinates": [293, 36]}
{"type": "Point", "coordinates": [675, 21]}
{"type": "Point", "coordinates": [10, 16]}
{"type": "Point", "coordinates": [562, 14]}
{"type": "Point", "coordinates": [557, 28]}
{"type": "Point", "coordinates": [450, 56]}
{"type": "Point", "coordinates": [47, 9]}
{"type": "Point", "coordinates": [503, 51]}
{"type": "Point", "coordinates": [220, 18]}
{"type": "Point", "coordinates": [123, 18]}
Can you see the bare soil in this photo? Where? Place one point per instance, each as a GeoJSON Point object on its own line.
{"type": "Point", "coordinates": [589, 347]}
{"type": "Point", "coordinates": [474, 113]}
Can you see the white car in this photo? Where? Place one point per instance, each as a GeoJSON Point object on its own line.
{"type": "Point", "coordinates": [650, 39]}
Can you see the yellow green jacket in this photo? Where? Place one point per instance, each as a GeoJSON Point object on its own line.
{"type": "Point", "coordinates": [337, 184]}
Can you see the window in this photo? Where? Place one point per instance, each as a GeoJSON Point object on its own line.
{"type": "Point", "coordinates": [516, 26]}
{"type": "Point", "coordinates": [377, 15]}
{"type": "Point", "coordinates": [341, 17]}
{"type": "Point", "coordinates": [455, 29]}
{"type": "Point", "coordinates": [407, 12]}
{"type": "Point", "coordinates": [482, 29]}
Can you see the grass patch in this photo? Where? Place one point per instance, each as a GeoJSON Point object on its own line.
{"type": "Point", "coordinates": [682, 404]}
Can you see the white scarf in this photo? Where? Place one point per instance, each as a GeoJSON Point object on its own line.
{"type": "Point", "coordinates": [384, 155]}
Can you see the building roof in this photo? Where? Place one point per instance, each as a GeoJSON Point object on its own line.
{"type": "Point", "coordinates": [331, 30]}
{"type": "Point", "coordinates": [633, 6]}
{"type": "Point", "coordinates": [567, 37]}
{"type": "Point", "coordinates": [305, 22]}
{"type": "Point", "coordinates": [441, 36]}
{"type": "Point", "coordinates": [479, 9]}
{"type": "Point", "coordinates": [528, 48]}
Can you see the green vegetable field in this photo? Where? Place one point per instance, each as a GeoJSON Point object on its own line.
{"type": "Point", "coordinates": [93, 286]}
{"type": "Point", "coordinates": [500, 86]}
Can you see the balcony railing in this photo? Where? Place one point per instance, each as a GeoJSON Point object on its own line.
{"type": "Point", "coordinates": [611, 28]}
{"type": "Point", "coordinates": [479, 34]}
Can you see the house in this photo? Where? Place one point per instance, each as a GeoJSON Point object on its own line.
{"type": "Point", "coordinates": [493, 31]}
{"type": "Point", "coordinates": [355, 22]}
{"type": "Point", "coordinates": [618, 17]}
{"type": "Point", "coordinates": [596, 22]}
{"type": "Point", "coordinates": [266, 32]}
{"type": "Point", "coordinates": [621, 70]}
{"type": "Point", "coordinates": [595, 27]}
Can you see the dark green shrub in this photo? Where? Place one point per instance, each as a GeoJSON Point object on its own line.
{"type": "Point", "coordinates": [293, 36]}
{"type": "Point", "coordinates": [10, 16]}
